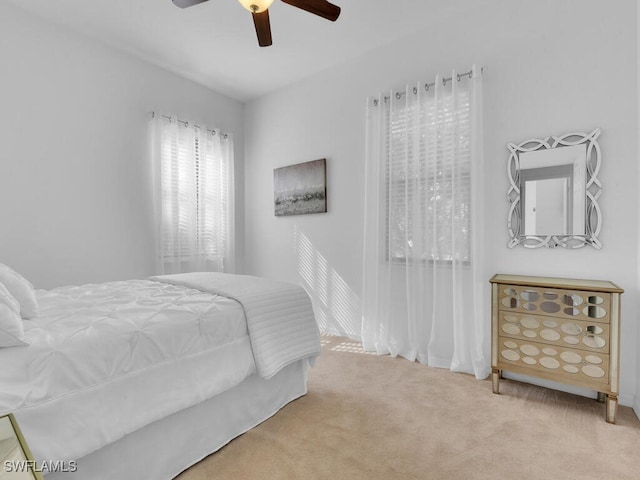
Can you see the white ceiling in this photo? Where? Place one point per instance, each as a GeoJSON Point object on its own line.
{"type": "Point", "coordinates": [215, 44]}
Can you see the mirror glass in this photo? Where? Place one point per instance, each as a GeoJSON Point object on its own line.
{"type": "Point", "coordinates": [529, 322]}
{"type": "Point", "coordinates": [593, 359]}
{"type": "Point", "coordinates": [554, 191]}
{"type": "Point", "coordinates": [571, 340]}
{"type": "Point", "coordinates": [594, 342]}
{"type": "Point", "coordinates": [510, 302]}
{"type": "Point", "coordinates": [571, 328]}
{"type": "Point", "coordinates": [594, 312]}
{"type": "Point", "coordinates": [593, 371]}
{"type": "Point", "coordinates": [550, 307]}
{"type": "Point", "coordinates": [594, 330]}
{"type": "Point", "coordinates": [12, 453]}
{"type": "Point", "coordinates": [595, 300]}
{"type": "Point", "coordinates": [9, 444]}
{"type": "Point", "coordinates": [545, 204]}
{"type": "Point", "coordinates": [572, 300]}
{"type": "Point", "coordinates": [571, 357]}
{"type": "Point", "coordinates": [530, 295]}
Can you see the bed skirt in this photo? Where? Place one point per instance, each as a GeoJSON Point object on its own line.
{"type": "Point", "coordinates": [169, 446]}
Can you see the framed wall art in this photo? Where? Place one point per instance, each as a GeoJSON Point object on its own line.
{"type": "Point", "coordinates": [301, 188]}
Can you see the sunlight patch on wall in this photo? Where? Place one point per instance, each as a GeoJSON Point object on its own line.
{"type": "Point", "coordinates": [337, 307]}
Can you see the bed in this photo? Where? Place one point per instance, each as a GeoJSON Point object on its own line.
{"type": "Point", "coordinates": [143, 378]}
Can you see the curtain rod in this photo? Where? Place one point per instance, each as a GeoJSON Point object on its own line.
{"type": "Point", "coordinates": [186, 124]}
{"type": "Point", "coordinates": [427, 86]}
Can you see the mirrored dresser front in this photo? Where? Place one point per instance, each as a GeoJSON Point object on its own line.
{"type": "Point", "coordinates": [559, 329]}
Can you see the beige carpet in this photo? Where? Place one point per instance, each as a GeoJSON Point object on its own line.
{"type": "Point", "coordinates": [370, 417]}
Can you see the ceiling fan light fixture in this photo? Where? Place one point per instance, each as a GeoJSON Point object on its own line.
{"type": "Point", "coordinates": [256, 6]}
{"type": "Point", "coordinates": [260, 13]}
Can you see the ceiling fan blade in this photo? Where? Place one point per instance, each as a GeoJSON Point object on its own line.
{"type": "Point", "coordinates": [263, 28]}
{"type": "Point", "coordinates": [321, 8]}
{"type": "Point", "coordinates": [187, 3]}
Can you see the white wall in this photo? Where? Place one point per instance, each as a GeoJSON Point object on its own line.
{"type": "Point", "coordinates": [553, 67]}
{"type": "Point", "coordinates": [75, 199]}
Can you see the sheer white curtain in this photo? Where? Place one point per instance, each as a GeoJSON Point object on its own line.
{"type": "Point", "coordinates": [425, 290]}
{"type": "Point", "coordinates": [193, 170]}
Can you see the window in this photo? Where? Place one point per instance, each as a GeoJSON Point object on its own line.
{"type": "Point", "coordinates": [428, 180]}
{"type": "Point", "coordinates": [195, 196]}
{"type": "Point", "coordinates": [423, 270]}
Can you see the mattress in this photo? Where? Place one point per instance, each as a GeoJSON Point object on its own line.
{"type": "Point", "coordinates": [101, 356]}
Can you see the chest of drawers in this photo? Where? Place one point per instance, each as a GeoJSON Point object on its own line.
{"type": "Point", "coordinates": [559, 329]}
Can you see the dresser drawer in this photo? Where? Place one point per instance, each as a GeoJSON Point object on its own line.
{"type": "Point", "coordinates": [570, 333]}
{"type": "Point", "coordinates": [567, 364]}
{"type": "Point", "coordinates": [578, 305]}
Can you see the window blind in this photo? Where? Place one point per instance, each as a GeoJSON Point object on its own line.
{"type": "Point", "coordinates": [428, 179]}
{"type": "Point", "coordinates": [196, 173]}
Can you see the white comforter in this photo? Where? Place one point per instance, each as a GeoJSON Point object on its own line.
{"type": "Point", "coordinates": [90, 334]}
{"type": "Point", "coordinates": [107, 359]}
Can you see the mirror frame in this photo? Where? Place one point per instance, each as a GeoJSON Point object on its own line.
{"type": "Point", "coordinates": [593, 190]}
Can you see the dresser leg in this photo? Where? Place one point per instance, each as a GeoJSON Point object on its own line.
{"type": "Point", "coordinates": [612, 408]}
{"type": "Point", "coordinates": [601, 397]}
{"type": "Point", "coordinates": [495, 380]}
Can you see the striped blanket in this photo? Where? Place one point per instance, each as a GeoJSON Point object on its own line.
{"type": "Point", "coordinates": [282, 326]}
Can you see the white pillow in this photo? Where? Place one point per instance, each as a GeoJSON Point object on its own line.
{"type": "Point", "coordinates": [11, 328]}
{"type": "Point", "coordinates": [21, 289]}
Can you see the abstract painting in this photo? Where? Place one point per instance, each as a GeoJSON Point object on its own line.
{"type": "Point", "coordinates": [300, 189]}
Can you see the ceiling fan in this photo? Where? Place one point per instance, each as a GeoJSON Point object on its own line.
{"type": "Point", "coordinates": [260, 11]}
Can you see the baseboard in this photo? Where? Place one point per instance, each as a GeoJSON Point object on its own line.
{"type": "Point", "coordinates": [636, 406]}
{"type": "Point", "coordinates": [627, 401]}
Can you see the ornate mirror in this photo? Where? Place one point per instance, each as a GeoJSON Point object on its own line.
{"type": "Point", "coordinates": [554, 191]}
